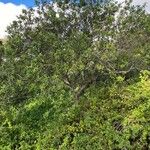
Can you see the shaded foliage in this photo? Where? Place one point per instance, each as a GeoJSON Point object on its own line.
{"type": "Point", "coordinates": [76, 77]}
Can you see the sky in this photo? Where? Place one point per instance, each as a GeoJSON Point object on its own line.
{"type": "Point", "coordinates": [9, 9]}
{"type": "Point", "coordinates": [28, 3]}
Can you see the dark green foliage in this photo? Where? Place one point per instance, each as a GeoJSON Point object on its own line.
{"type": "Point", "coordinates": [76, 79]}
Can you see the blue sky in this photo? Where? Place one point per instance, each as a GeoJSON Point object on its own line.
{"type": "Point", "coordinates": [28, 3]}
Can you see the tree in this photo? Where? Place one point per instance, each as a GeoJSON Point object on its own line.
{"type": "Point", "coordinates": [82, 43]}
{"type": "Point", "coordinates": [67, 63]}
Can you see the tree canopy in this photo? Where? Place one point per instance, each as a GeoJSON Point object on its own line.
{"type": "Point", "coordinates": [76, 77]}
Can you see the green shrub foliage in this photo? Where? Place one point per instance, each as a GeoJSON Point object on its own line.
{"type": "Point", "coordinates": [76, 77]}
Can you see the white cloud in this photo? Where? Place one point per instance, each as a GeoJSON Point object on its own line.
{"type": "Point", "coordinates": [140, 2]}
{"type": "Point", "coordinates": [8, 13]}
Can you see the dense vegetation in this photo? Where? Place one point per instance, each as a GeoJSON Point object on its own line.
{"type": "Point", "coordinates": [75, 76]}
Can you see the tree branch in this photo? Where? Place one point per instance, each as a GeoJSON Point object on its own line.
{"type": "Point", "coordinates": [84, 87]}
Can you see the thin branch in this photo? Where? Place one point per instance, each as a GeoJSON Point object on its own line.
{"type": "Point", "coordinates": [84, 87]}
{"type": "Point", "coordinates": [123, 72]}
